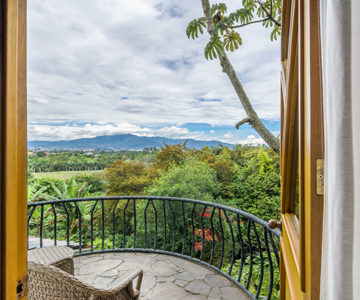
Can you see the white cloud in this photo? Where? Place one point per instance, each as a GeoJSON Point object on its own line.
{"type": "Point", "coordinates": [55, 132]}
{"type": "Point", "coordinates": [69, 132]}
{"type": "Point", "coordinates": [130, 62]}
{"type": "Point", "coordinates": [250, 140]}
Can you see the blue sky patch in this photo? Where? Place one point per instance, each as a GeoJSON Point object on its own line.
{"type": "Point", "coordinates": [170, 11]}
{"type": "Point", "coordinates": [175, 64]}
{"type": "Point", "coordinates": [243, 132]}
{"type": "Point", "coordinates": [208, 100]}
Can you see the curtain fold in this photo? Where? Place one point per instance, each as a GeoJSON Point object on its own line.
{"type": "Point", "coordinates": [340, 34]}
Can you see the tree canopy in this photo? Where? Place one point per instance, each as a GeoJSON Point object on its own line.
{"type": "Point", "coordinates": [192, 179]}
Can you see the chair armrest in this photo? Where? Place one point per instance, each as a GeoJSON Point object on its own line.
{"type": "Point", "coordinates": [130, 278]}
{"type": "Point", "coordinates": [66, 264]}
{"type": "Point", "coordinates": [118, 289]}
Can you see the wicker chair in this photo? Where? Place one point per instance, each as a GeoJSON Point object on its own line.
{"type": "Point", "coordinates": [49, 282]}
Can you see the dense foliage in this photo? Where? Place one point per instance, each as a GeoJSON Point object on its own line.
{"type": "Point", "coordinates": [192, 179]}
{"type": "Point", "coordinates": [83, 161]}
{"type": "Point", "coordinates": [245, 177]}
{"type": "Point", "coordinates": [128, 178]}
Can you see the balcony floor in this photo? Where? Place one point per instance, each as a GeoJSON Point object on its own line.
{"type": "Point", "coordinates": [165, 276]}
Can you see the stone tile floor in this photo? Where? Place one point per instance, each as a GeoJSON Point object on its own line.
{"type": "Point", "coordinates": [165, 277]}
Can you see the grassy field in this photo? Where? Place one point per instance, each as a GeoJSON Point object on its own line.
{"type": "Point", "coordinates": [66, 174]}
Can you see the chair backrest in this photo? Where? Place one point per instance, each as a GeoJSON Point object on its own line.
{"type": "Point", "coordinates": [49, 282]}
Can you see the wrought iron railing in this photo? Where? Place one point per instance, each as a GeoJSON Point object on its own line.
{"type": "Point", "coordinates": [237, 244]}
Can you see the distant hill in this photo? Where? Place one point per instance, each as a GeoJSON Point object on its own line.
{"type": "Point", "coordinates": [119, 142]}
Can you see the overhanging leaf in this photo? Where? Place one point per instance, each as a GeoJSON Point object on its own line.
{"type": "Point", "coordinates": [213, 48]}
{"type": "Point", "coordinates": [232, 41]}
{"type": "Point", "coordinates": [194, 27]}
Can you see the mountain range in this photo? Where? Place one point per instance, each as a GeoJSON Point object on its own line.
{"type": "Point", "coordinates": [119, 142]}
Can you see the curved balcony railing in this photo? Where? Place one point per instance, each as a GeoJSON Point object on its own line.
{"type": "Point", "coordinates": [232, 242]}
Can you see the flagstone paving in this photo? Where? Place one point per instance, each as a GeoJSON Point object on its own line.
{"type": "Point", "coordinates": [165, 277]}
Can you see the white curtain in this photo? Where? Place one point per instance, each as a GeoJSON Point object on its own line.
{"type": "Point", "coordinates": [340, 35]}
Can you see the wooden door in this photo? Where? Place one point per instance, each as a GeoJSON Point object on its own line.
{"type": "Point", "coordinates": [301, 151]}
{"type": "Point", "coordinates": [13, 206]}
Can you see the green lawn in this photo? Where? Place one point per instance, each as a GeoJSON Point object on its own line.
{"type": "Point", "coordinates": [66, 174]}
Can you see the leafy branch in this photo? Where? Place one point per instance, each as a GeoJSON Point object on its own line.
{"type": "Point", "coordinates": [196, 26]}
{"type": "Point", "coordinates": [223, 35]}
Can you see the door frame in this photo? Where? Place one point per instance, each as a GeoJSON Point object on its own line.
{"type": "Point", "coordinates": [13, 150]}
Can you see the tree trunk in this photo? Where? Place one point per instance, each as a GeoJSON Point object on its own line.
{"type": "Point", "coordinates": [228, 69]}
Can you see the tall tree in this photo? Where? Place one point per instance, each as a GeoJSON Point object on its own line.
{"type": "Point", "coordinates": [223, 37]}
{"type": "Point", "coordinates": [128, 178]}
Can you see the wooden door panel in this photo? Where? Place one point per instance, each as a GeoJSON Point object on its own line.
{"type": "Point", "coordinates": [291, 279]}
{"type": "Point", "coordinates": [290, 244]}
{"type": "Point", "coordinates": [301, 146]}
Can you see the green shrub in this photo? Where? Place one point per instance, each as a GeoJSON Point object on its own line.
{"type": "Point", "coordinates": [192, 179]}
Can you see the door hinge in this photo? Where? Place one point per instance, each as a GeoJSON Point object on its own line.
{"type": "Point", "coordinates": [21, 287]}
{"type": "Point", "coordinates": [320, 177]}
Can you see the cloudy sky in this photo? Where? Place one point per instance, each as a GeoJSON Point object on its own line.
{"type": "Point", "coordinates": [102, 67]}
